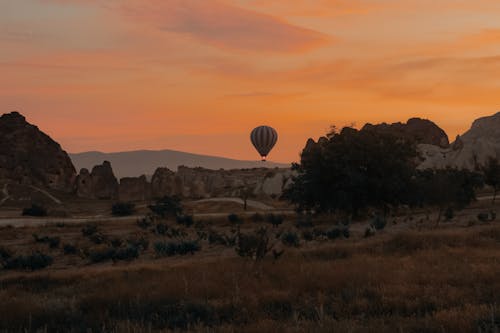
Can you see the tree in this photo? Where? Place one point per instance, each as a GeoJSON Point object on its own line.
{"type": "Point", "coordinates": [491, 172]}
{"type": "Point", "coordinates": [444, 188]}
{"type": "Point", "coordinates": [167, 207]}
{"type": "Point", "coordinates": [352, 170]}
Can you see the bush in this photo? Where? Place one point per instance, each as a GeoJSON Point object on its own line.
{"type": "Point", "coordinates": [69, 249]}
{"type": "Point", "coordinates": [275, 219]}
{"type": "Point", "coordinates": [123, 209]}
{"type": "Point", "coordinates": [185, 220]}
{"type": "Point", "coordinates": [128, 253]}
{"type": "Point", "coordinates": [220, 239]}
{"type": "Point", "coordinates": [145, 222]}
{"type": "Point", "coordinates": [32, 262]}
{"type": "Point", "coordinates": [369, 232]}
{"type": "Point", "coordinates": [290, 239]}
{"type": "Point", "coordinates": [97, 238]}
{"type": "Point", "coordinates": [307, 235]}
{"type": "Point", "coordinates": [167, 206]}
{"type": "Point", "coordinates": [254, 246]}
{"type": "Point", "coordinates": [378, 222]}
{"type": "Point", "coordinates": [101, 255]}
{"type": "Point", "coordinates": [234, 219]}
{"type": "Point", "coordinates": [89, 229]}
{"type": "Point", "coordinates": [35, 210]}
{"type": "Point", "coordinates": [116, 242]}
{"type": "Point", "coordinates": [52, 241]}
{"type": "Point", "coordinates": [161, 229]}
{"type": "Point", "coordinates": [167, 249]}
{"type": "Point", "coordinates": [4, 253]}
{"type": "Point", "coordinates": [140, 243]}
{"type": "Point", "coordinates": [449, 214]}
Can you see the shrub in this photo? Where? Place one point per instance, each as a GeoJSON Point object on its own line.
{"type": "Point", "coordinates": [186, 220]}
{"type": "Point", "coordinates": [307, 235]}
{"type": "Point", "coordinates": [69, 249]}
{"type": "Point", "coordinates": [97, 238]}
{"type": "Point", "coordinates": [4, 253]}
{"type": "Point", "coordinates": [254, 246]}
{"type": "Point", "coordinates": [449, 214]}
{"type": "Point", "coordinates": [167, 206]}
{"type": "Point", "coordinates": [275, 219]}
{"type": "Point", "coordinates": [123, 209]}
{"type": "Point", "coordinates": [116, 242]}
{"type": "Point", "coordinates": [290, 239]}
{"type": "Point", "coordinates": [378, 222]}
{"type": "Point", "coordinates": [128, 253]}
{"type": "Point", "coordinates": [89, 229]}
{"type": "Point", "coordinates": [52, 241]}
{"type": "Point", "coordinates": [369, 232]}
{"type": "Point", "coordinates": [32, 262]}
{"type": "Point", "coordinates": [35, 210]}
{"type": "Point", "coordinates": [161, 228]}
{"type": "Point", "coordinates": [234, 219]}
{"type": "Point", "coordinates": [140, 243]}
{"type": "Point", "coordinates": [101, 255]}
{"type": "Point", "coordinates": [145, 222]}
{"type": "Point", "coordinates": [167, 249]}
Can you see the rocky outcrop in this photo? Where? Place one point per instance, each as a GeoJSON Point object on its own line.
{"type": "Point", "coordinates": [134, 189]}
{"type": "Point", "coordinates": [101, 183]}
{"type": "Point", "coordinates": [164, 183]}
{"type": "Point", "coordinates": [421, 131]}
{"type": "Point", "coordinates": [470, 150]}
{"type": "Point", "coordinates": [30, 157]}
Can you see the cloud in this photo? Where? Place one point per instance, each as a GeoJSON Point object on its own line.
{"type": "Point", "coordinates": [225, 26]}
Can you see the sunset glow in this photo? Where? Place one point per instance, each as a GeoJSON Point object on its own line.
{"type": "Point", "coordinates": [199, 75]}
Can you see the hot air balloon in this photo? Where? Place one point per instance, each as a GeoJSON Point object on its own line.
{"type": "Point", "coordinates": [264, 138]}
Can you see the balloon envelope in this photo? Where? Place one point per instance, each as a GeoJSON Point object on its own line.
{"type": "Point", "coordinates": [264, 138]}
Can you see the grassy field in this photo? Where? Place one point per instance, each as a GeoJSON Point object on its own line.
{"type": "Point", "coordinates": [409, 277]}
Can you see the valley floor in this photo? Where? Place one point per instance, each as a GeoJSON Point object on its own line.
{"type": "Point", "coordinates": [410, 277]}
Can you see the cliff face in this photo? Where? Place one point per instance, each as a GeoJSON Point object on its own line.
{"type": "Point", "coordinates": [30, 157]}
{"type": "Point", "coordinates": [470, 150]}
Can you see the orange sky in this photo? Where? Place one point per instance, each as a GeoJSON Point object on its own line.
{"type": "Point", "coordinates": [198, 75]}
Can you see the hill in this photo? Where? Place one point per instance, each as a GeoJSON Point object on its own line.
{"type": "Point", "coordinates": [145, 162]}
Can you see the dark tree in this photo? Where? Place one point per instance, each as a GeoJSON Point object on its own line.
{"type": "Point", "coordinates": [444, 189]}
{"type": "Point", "coordinates": [352, 170]}
{"type": "Point", "coordinates": [167, 207]}
{"type": "Point", "coordinates": [491, 172]}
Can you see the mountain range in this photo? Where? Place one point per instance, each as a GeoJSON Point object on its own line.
{"type": "Point", "coordinates": [145, 162]}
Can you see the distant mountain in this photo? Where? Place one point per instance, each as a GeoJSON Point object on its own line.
{"type": "Point", "coordinates": [145, 162]}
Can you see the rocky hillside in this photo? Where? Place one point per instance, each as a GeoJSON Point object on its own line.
{"type": "Point", "coordinates": [30, 157]}
{"type": "Point", "coordinates": [470, 150]}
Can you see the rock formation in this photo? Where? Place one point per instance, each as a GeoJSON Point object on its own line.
{"type": "Point", "coordinates": [134, 189]}
{"type": "Point", "coordinates": [101, 183]}
{"type": "Point", "coordinates": [30, 157]}
{"type": "Point", "coordinates": [422, 131]}
{"type": "Point", "coordinates": [470, 150]}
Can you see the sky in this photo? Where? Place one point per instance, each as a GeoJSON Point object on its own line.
{"type": "Point", "coordinates": [199, 75]}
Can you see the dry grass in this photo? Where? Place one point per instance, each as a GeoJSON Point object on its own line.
{"type": "Point", "coordinates": [401, 280]}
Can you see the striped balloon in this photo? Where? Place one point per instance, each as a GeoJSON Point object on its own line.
{"type": "Point", "coordinates": [264, 138]}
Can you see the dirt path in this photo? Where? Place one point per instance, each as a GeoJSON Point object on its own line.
{"type": "Point", "coordinates": [50, 196]}
{"type": "Point", "coordinates": [250, 203]}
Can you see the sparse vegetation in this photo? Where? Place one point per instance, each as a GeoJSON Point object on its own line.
{"type": "Point", "coordinates": [167, 207]}
{"type": "Point", "coordinates": [290, 238]}
{"type": "Point", "coordinates": [123, 209]}
{"type": "Point", "coordinates": [35, 210]}
{"type": "Point", "coordinates": [234, 219]}
{"type": "Point", "coordinates": [163, 249]}
{"type": "Point", "coordinates": [31, 262]}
